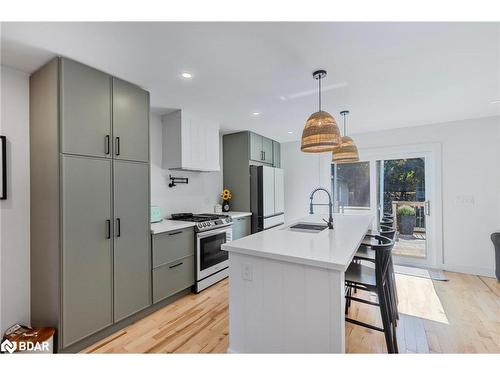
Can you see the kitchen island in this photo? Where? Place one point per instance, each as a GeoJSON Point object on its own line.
{"type": "Point", "coordinates": [286, 287]}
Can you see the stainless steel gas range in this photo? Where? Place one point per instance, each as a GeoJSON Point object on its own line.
{"type": "Point", "coordinates": [211, 231]}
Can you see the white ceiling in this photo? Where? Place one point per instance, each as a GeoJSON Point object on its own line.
{"type": "Point", "coordinates": [389, 75]}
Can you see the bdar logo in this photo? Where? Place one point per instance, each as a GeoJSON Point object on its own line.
{"type": "Point", "coordinates": [8, 346]}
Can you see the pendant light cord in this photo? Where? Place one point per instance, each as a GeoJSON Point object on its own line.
{"type": "Point", "coordinates": [345, 133]}
{"type": "Point", "coordinates": [319, 93]}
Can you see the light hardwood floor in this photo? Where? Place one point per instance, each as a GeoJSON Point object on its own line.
{"type": "Point", "coordinates": [461, 315]}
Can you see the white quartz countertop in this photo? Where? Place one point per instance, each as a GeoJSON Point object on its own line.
{"type": "Point", "coordinates": [237, 214]}
{"type": "Point", "coordinates": [170, 225]}
{"type": "Point", "coordinates": [333, 249]}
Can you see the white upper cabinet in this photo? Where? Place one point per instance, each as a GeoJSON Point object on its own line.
{"type": "Point", "coordinates": [190, 142]}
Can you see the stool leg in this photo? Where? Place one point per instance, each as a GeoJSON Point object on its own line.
{"type": "Point", "coordinates": [393, 321]}
{"type": "Point", "coordinates": [394, 292]}
{"type": "Point", "coordinates": [386, 320]}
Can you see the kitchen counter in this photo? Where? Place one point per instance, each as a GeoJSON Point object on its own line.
{"type": "Point", "coordinates": [333, 249]}
{"type": "Point", "coordinates": [237, 214]}
{"type": "Point", "coordinates": [170, 225]}
{"type": "Point", "coordinates": [286, 293]}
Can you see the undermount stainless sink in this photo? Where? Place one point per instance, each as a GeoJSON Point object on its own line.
{"type": "Point", "coordinates": [308, 227]}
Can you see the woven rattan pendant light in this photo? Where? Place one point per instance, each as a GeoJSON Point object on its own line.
{"type": "Point", "coordinates": [321, 133]}
{"type": "Point", "coordinates": [346, 152]}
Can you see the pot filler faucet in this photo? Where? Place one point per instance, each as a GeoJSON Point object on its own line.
{"type": "Point", "coordinates": [330, 206]}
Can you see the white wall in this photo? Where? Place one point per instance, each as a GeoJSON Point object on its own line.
{"type": "Point", "coordinates": [199, 195]}
{"type": "Point", "coordinates": [470, 166]}
{"type": "Point", "coordinates": [303, 173]}
{"type": "Point", "coordinates": [15, 211]}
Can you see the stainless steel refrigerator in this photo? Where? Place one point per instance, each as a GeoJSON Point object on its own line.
{"type": "Point", "coordinates": [267, 199]}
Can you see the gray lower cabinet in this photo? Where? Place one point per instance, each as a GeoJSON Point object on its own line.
{"type": "Point", "coordinates": [130, 121]}
{"type": "Point", "coordinates": [85, 110]}
{"type": "Point", "coordinates": [241, 227]}
{"type": "Point", "coordinates": [171, 246]}
{"type": "Point", "coordinates": [87, 259]}
{"type": "Point", "coordinates": [173, 262]}
{"type": "Point", "coordinates": [172, 278]}
{"type": "Point", "coordinates": [132, 264]}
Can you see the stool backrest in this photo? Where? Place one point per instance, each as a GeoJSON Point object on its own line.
{"type": "Point", "coordinates": [495, 238]}
{"type": "Point", "coordinates": [387, 232]}
{"type": "Point", "coordinates": [387, 222]}
{"type": "Point", "coordinates": [382, 260]}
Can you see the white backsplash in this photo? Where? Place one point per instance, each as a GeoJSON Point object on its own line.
{"type": "Point", "coordinates": [202, 192]}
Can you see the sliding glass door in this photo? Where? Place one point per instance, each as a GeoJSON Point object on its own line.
{"type": "Point", "coordinates": [403, 195]}
{"type": "Point", "coordinates": [401, 181]}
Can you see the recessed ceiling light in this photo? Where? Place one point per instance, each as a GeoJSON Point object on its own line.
{"type": "Point", "coordinates": [495, 102]}
{"type": "Point", "coordinates": [186, 75]}
{"type": "Point", "coordinates": [255, 113]}
{"type": "Point", "coordinates": [290, 132]}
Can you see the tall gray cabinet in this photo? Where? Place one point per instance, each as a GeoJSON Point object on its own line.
{"type": "Point", "coordinates": [90, 231]}
{"type": "Point", "coordinates": [241, 150]}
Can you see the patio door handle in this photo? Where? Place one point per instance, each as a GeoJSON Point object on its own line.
{"type": "Point", "coordinates": [427, 208]}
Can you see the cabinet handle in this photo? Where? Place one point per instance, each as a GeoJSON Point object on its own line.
{"type": "Point", "coordinates": [264, 155]}
{"type": "Point", "coordinates": [106, 145]}
{"type": "Point", "coordinates": [117, 146]}
{"type": "Point", "coordinates": [118, 227]}
{"type": "Point", "coordinates": [176, 265]}
{"type": "Point", "coordinates": [174, 233]}
{"type": "Point", "coordinates": [108, 229]}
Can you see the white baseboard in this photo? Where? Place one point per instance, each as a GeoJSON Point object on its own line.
{"type": "Point", "coordinates": [479, 271]}
{"type": "Point", "coordinates": [470, 270]}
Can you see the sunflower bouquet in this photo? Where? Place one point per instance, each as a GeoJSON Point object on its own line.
{"type": "Point", "coordinates": [226, 197]}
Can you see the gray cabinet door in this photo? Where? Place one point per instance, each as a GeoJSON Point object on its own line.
{"type": "Point", "coordinates": [172, 278]}
{"type": "Point", "coordinates": [130, 121]}
{"type": "Point", "coordinates": [256, 147]}
{"type": "Point", "coordinates": [86, 247]}
{"type": "Point", "coordinates": [241, 227]}
{"type": "Point", "coordinates": [132, 264]}
{"type": "Point", "coordinates": [276, 154]}
{"type": "Point", "coordinates": [85, 110]}
{"type": "Point", "coordinates": [168, 247]}
{"type": "Point", "coordinates": [267, 148]}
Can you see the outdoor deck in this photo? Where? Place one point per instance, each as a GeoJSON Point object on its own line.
{"type": "Point", "coordinates": [410, 245]}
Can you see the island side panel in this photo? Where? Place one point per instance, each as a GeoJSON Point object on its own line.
{"type": "Point", "coordinates": [283, 307]}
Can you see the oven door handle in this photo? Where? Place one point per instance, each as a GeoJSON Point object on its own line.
{"type": "Point", "coordinates": [212, 233]}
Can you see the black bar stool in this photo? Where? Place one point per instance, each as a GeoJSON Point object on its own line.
{"type": "Point", "coordinates": [366, 252]}
{"type": "Point", "coordinates": [384, 231]}
{"type": "Point", "coordinates": [376, 280]}
{"type": "Point", "coordinates": [387, 222]}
